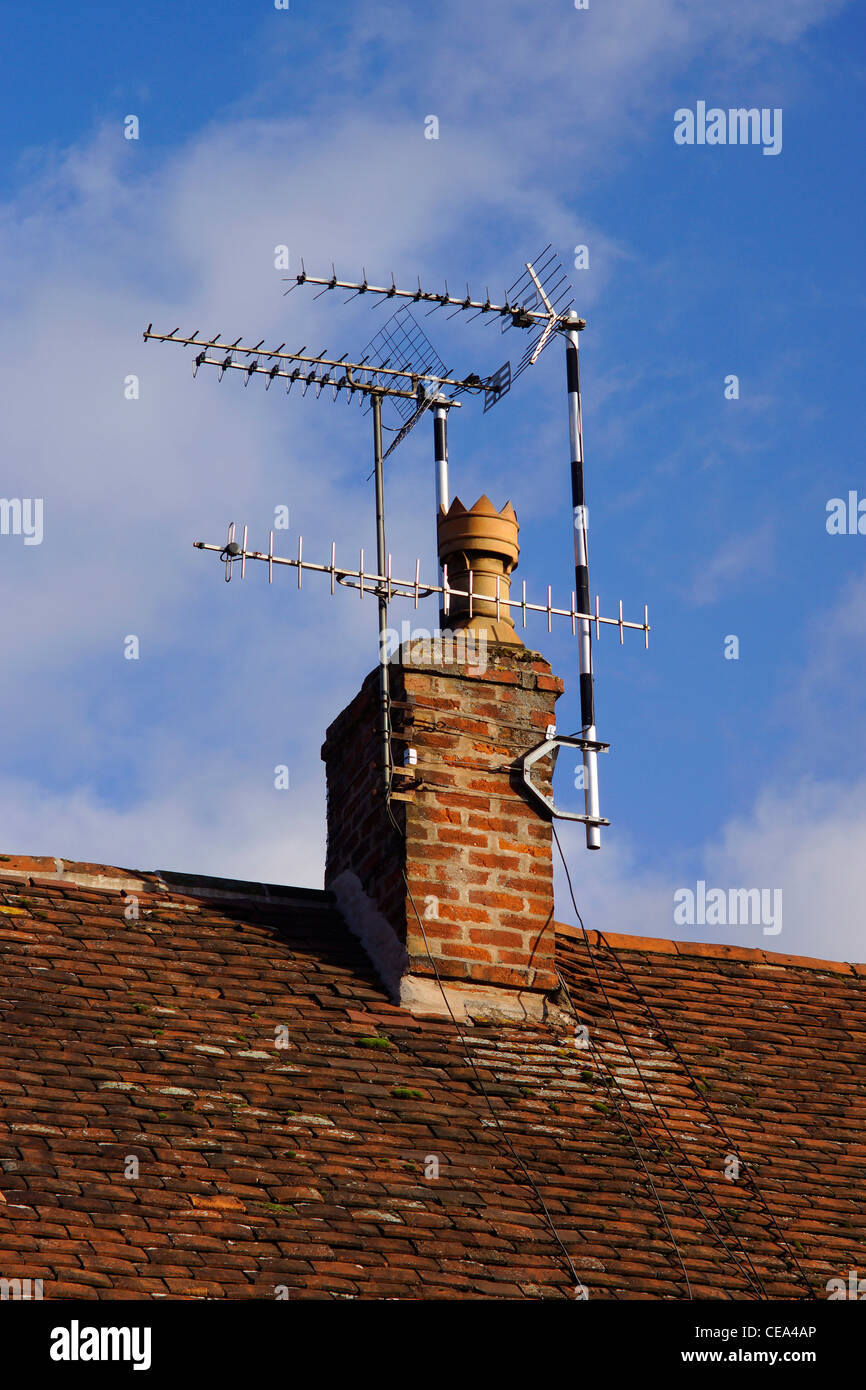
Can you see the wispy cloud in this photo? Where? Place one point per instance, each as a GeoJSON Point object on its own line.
{"type": "Point", "coordinates": [743, 555]}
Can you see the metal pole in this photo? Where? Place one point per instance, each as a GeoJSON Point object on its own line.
{"type": "Point", "coordinates": [440, 444]}
{"type": "Point", "coordinates": [443, 495]}
{"type": "Point", "coordinates": [384, 721]}
{"type": "Point", "coordinates": [581, 571]}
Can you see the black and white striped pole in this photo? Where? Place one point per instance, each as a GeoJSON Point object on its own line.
{"type": "Point", "coordinates": [443, 494]}
{"type": "Point", "coordinates": [581, 572]}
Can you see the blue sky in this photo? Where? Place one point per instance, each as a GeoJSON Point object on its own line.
{"type": "Point", "coordinates": [261, 127]}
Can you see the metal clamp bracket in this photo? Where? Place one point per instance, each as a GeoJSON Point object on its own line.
{"type": "Point", "coordinates": [541, 750]}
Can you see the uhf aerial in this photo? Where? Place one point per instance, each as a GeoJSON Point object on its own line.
{"type": "Point", "coordinates": [400, 365]}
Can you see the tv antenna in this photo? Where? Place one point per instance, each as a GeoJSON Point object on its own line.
{"type": "Point", "coordinates": [540, 301]}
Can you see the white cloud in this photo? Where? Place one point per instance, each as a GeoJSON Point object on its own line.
{"type": "Point", "coordinates": [212, 820]}
{"type": "Point", "coordinates": [807, 839]}
{"type": "Point", "coordinates": [559, 81]}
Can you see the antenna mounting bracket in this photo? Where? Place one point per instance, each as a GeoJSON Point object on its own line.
{"type": "Point", "coordinates": [542, 750]}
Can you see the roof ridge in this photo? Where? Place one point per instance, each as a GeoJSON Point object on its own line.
{"type": "Point", "coordinates": [109, 878]}
{"type": "Point", "coordinates": [112, 879]}
{"type": "Point", "coordinates": [711, 950]}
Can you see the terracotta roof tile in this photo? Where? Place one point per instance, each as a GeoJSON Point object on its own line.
{"type": "Point", "coordinates": [304, 1166]}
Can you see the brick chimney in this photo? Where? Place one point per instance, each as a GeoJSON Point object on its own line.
{"type": "Point", "coordinates": [476, 854]}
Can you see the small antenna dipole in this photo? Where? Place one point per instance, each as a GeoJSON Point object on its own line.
{"type": "Point", "coordinates": [540, 300]}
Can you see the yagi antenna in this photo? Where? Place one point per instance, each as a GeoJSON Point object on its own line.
{"type": "Point", "coordinates": [540, 301]}
{"type": "Point", "coordinates": [370, 582]}
{"type": "Point", "coordinates": [352, 377]}
{"type": "Point", "coordinates": [413, 377]}
{"type": "Point", "coordinates": [386, 587]}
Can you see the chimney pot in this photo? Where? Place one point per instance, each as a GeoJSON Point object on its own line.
{"type": "Point", "coordinates": [480, 541]}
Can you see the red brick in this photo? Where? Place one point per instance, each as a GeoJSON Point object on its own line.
{"type": "Point", "coordinates": [496, 938]}
{"type": "Point", "coordinates": [456, 950]}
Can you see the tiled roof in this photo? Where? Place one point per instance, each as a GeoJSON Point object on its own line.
{"type": "Point", "coordinates": [302, 1167]}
